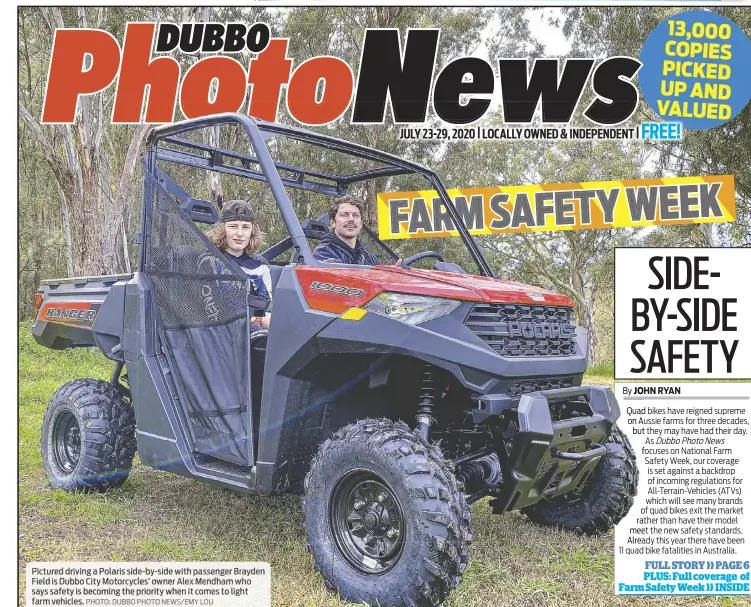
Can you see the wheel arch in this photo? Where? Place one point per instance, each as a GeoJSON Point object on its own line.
{"type": "Point", "coordinates": [319, 401]}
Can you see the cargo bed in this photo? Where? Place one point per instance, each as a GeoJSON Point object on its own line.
{"type": "Point", "coordinates": [81, 312]}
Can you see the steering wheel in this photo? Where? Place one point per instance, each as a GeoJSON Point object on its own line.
{"type": "Point", "coordinates": [410, 260]}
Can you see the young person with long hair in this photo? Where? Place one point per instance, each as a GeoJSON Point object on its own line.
{"type": "Point", "coordinates": [238, 236]}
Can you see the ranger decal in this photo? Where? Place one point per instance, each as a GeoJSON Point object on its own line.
{"type": "Point", "coordinates": [78, 314]}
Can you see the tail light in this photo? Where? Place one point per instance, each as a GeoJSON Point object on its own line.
{"type": "Point", "coordinates": [38, 301]}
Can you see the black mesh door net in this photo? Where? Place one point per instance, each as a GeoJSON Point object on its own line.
{"type": "Point", "coordinates": [203, 312]}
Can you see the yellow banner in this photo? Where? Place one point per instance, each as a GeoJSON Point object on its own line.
{"type": "Point", "coordinates": [569, 206]}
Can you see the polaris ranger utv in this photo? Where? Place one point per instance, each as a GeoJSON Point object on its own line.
{"type": "Point", "coordinates": [391, 397]}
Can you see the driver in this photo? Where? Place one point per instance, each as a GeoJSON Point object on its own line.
{"type": "Point", "coordinates": [238, 236]}
{"type": "Point", "coordinates": [342, 245]}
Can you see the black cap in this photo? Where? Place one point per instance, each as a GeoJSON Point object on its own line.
{"type": "Point", "coordinates": [237, 210]}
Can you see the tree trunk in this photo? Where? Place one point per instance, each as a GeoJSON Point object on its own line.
{"type": "Point", "coordinates": [588, 323]}
{"type": "Point", "coordinates": [213, 180]}
{"type": "Point", "coordinates": [93, 206]}
{"type": "Point", "coordinates": [66, 230]}
{"type": "Point", "coordinates": [586, 306]}
{"type": "Point", "coordinates": [115, 207]}
{"type": "Point", "coordinates": [126, 253]}
{"type": "Point", "coordinates": [371, 204]}
{"type": "Point", "coordinates": [36, 277]}
{"type": "Point", "coordinates": [707, 231]}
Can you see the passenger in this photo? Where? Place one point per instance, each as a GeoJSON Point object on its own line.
{"type": "Point", "coordinates": [342, 245]}
{"type": "Point", "coordinates": [238, 236]}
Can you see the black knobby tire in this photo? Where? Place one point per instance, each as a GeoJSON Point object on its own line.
{"type": "Point", "coordinates": [88, 437]}
{"type": "Point", "coordinates": [605, 500]}
{"type": "Point", "coordinates": [429, 516]}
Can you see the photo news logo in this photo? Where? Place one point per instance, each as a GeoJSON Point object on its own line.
{"type": "Point", "coordinates": [403, 75]}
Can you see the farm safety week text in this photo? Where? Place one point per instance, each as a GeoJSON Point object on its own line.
{"type": "Point", "coordinates": [572, 206]}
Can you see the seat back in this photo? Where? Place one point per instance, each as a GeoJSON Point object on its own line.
{"type": "Point", "coordinates": [276, 274]}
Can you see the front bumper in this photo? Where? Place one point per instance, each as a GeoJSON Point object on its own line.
{"type": "Point", "coordinates": [546, 458]}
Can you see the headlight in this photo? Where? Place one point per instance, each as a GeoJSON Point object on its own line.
{"type": "Point", "coordinates": [412, 309]}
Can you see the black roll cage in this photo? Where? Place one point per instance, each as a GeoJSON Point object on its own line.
{"type": "Point", "coordinates": [263, 167]}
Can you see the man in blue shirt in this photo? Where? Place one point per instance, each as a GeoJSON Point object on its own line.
{"type": "Point", "coordinates": [341, 245]}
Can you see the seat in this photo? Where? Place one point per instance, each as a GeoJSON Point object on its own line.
{"type": "Point", "coordinates": [276, 274]}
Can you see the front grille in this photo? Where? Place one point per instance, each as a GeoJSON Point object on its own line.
{"type": "Point", "coordinates": [524, 330]}
{"type": "Point", "coordinates": [536, 385]}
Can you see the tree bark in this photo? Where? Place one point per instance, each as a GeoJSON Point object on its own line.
{"type": "Point", "coordinates": [707, 231]}
{"type": "Point", "coordinates": [586, 311]}
{"type": "Point", "coordinates": [94, 185]}
{"type": "Point", "coordinates": [114, 207]}
{"type": "Point", "coordinates": [126, 253]}
{"type": "Point", "coordinates": [94, 217]}
{"type": "Point", "coordinates": [66, 231]}
{"type": "Point", "coordinates": [213, 180]}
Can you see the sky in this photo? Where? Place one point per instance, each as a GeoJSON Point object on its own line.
{"type": "Point", "coordinates": [552, 37]}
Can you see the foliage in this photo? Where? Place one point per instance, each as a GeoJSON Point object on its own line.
{"type": "Point", "coordinates": [719, 151]}
{"type": "Point", "coordinates": [65, 229]}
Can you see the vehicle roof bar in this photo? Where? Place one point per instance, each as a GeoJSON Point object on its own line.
{"type": "Point", "coordinates": [374, 173]}
{"type": "Point", "coordinates": [201, 161]}
{"type": "Point", "coordinates": [353, 149]}
{"type": "Point", "coordinates": [247, 158]}
{"type": "Point", "coordinates": [256, 130]}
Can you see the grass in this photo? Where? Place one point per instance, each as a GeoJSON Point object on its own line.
{"type": "Point", "coordinates": [601, 375]}
{"type": "Point", "coordinates": [157, 516]}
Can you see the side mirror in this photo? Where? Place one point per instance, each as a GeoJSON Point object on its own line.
{"type": "Point", "coordinates": [200, 210]}
{"type": "Point", "coordinates": [313, 228]}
